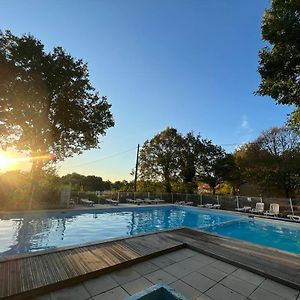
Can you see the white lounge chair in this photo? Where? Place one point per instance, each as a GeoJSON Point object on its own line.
{"type": "Point", "coordinates": [294, 217]}
{"type": "Point", "coordinates": [243, 209]}
{"type": "Point", "coordinates": [159, 200]}
{"type": "Point", "coordinates": [86, 202]}
{"type": "Point", "coordinates": [215, 206]}
{"type": "Point", "coordinates": [112, 202]}
{"type": "Point", "coordinates": [151, 201]}
{"type": "Point", "coordinates": [135, 201]}
{"type": "Point", "coordinates": [273, 210]}
{"type": "Point", "coordinates": [179, 202]}
{"type": "Point", "coordinates": [209, 205]}
{"type": "Point", "coordinates": [259, 208]}
{"type": "Point", "coordinates": [188, 203]}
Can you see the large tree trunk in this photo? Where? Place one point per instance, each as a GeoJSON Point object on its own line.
{"type": "Point", "coordinates": [36, 169]}
{"type": "Point", "coordinates": [168, 187]}
{"type": "Point", "coordinates": [214, 190]}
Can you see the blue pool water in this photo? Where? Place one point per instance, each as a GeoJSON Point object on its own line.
{"type": "Point", "coordinates": [37, 231]}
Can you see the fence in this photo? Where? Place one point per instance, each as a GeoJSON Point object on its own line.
{"type": "Point", "coordinates": [286, 206]}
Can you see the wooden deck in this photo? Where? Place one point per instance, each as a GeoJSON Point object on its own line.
{"type": "Point", "coordinates": [29, 275]}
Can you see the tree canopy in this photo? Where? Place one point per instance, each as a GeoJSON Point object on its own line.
{"type": "Point", "coordinates": [47, 103]}
{"type": "Point", "coordinates": [279, 64]}
{"type": "Point", "coordinates": [159, 157]}
{"type": "Point", "coordinates": [272, 161]}
{"type": "Point", "coordinates": [172, 157]}
{"type": "Point", "coordinates": [214, 165]}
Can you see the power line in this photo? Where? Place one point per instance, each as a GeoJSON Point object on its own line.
{"type": "Point", "coordinates": [126, 151]}
{"type": "Point", "coordinates": [233, 144]}
{"type": "Point", "coordinates": [103, 158]}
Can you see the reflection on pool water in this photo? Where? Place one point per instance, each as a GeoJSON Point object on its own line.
{"type": "Point", "coordinates": [37, 231]}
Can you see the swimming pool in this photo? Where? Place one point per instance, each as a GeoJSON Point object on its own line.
{"type": "Point", "coordinates": [23, 233]}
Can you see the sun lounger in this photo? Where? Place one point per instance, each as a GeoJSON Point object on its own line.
{"type": "Point", "coordinates": [112, 202]}
{"type": "Point", "coordinates": [244, 209]}
{"type": "Point", "coordinates": [209, 205]}
{"type": "Point", "coordinates": [150, 201]}
{"type": "Point", "coordinates": [294, 217]}
{"type": "Point", "coordinates": [135, 201]}
{"type": "Point", "coordinates": [71, 203]}
{"type": "Point", "coordinates": [86, 202]}
{"type": "Point", "coordinates": [188, 203]}
{"type": "Point", "coordinates": [159, 200]}
{"type": "Point", "coordinates": [273, 210]}
{"type": "Point", "coordinates": [215, 206]}
{"type": "Point", "coordinates": [259, 208]}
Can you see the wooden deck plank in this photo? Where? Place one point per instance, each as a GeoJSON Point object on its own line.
{"type": "Point", "coordinates": [23, 276]}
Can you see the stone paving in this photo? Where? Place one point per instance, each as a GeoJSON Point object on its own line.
{"type": "Point", "coordinates": [196, 276]}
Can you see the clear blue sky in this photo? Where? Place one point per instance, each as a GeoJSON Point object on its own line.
{"type": "Point", "coordinates": [190, 64]}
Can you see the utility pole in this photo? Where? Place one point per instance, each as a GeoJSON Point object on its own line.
{"type": "Point", "coordinates": [136, 166]}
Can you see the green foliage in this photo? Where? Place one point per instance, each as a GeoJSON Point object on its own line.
{"type": "Point", "coordinates": [86, 183]}
{"type": "Point", "coordinates": [159, 158]}
{"type": "Point", "coordinates": [214, 166]}
{"type": "Point", "coordinates": [47, 103]}
{"type": "Point", "coordinates": [272, 161]}
{"type": "Point", "coordinates": [178, 161]}
{"type": "Point", "coordinates": [192, 149]}
{"type": "Point", "coordinates": [279, 64]}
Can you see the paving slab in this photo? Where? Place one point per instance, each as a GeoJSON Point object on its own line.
{"type": "Point", "coordinates": [261, 294]}
{"type": "Point", "coordinates": [100, 284]}
{"type": "Point", "coordinates": [182, 268]}
{"type": "Point", "coordinates": [145, 267]}
{"type": "Point", "coordinates": [185, 289]}
{"type": "Point", "coordinates": [220, 292]}
{"type": "Point", "coordinates": [203, 297]}
{"type": "Point", "coordinates": [115, 294]}
{"type": "Point", "coordinates": [180, 254]}
{"type": "Point", "coordinates": [248, 276]}
{"type": "Point", "coordinates": [238, 285]}
{"type": "Point", "coordinates": [199, 281]}
{"type": "Point", "coordinates": [137, 285]}
{"type": "Point", "coordinates": [225, 267]}
{"type": "Point", "coordinates": [125, 275]}
{"type": "Point", "coordinates": [204, 259]}
{"type": "Point", "coordinates": [160, 276]}
{"type": "Point", "coordinates": [76, 292]}
{"type": "Point", "coordinates": [279, 289]}
{"type": "Point", "coordinates": [162, 261]}
{"type": "Point", "coordinates": [212, 273]}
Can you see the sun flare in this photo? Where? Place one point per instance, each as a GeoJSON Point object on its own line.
{"type": "Point", "coordinates": [4, 162]}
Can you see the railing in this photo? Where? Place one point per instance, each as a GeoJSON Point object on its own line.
{"type": "Point", "coordinates": [286, 206]}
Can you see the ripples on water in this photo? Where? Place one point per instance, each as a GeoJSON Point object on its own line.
{"type": "Point", "coordinates": [34, 232]}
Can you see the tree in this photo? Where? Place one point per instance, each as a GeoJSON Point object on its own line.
{"type": "Point", "coordinates": [47, 103]}
{"type": "Point", "coordinates": [192, 148]}
{"type": "Point", "coordinates": [272, 161]}
{"type": "Point", "coordinates": [87, 183]}
{"type": "Point", "coordinates": [213, 165]}
{"type": "Point", "coordinates": [159, 158]}
{"type": "Point", "coordinates": [279, 64]}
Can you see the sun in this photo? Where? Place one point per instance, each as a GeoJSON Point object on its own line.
{"type": "Point", "coordinates": [4, 162]}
